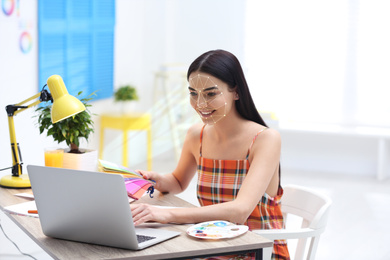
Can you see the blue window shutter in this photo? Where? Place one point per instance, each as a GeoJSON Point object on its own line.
{"type": "Point", "coordinates": [76, 41]}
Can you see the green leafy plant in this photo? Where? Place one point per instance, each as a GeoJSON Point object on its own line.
{"type": "Point", "coordinates": [71, 129]}
{"type": "Point", "coordinates": [126, 93]}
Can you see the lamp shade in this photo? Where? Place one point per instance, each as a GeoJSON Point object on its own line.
{"type": "Point", "coordinates": [64, 105]}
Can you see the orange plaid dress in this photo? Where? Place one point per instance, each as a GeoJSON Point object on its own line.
{"type": "Point", "coordinates": [220, 180]}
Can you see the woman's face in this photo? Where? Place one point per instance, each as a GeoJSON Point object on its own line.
{"type": "Point", "coordinates": [210, 97]}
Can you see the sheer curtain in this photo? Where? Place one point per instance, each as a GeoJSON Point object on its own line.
{"type": "Point", "coordinates": [320, 61]}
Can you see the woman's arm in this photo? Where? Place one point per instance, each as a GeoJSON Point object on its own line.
{"type": "Point", "coordinates": [265, 155]}
{"type": "Point", "coordinates": [263, 174]}
{"type": "Point", "coordinates": [179, 179]}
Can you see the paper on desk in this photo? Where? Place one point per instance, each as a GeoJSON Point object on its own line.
{"type": "Point", "coordinates": [22, 209]}
{"type": "Point", "coordinates": [25, 195]}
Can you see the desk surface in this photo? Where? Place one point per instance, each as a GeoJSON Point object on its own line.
{"type": "Point", "coordinates": [181, 246]}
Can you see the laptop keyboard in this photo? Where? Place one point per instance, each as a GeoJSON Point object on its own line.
{"type": "Point", "coordinates": [142, 238]}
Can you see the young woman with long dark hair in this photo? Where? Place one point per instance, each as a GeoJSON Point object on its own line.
{"type": "Point", "coordinates": [235, 155]}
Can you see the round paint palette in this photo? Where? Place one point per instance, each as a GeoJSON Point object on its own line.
{"type": "Point", "coordinates": [217, 229]}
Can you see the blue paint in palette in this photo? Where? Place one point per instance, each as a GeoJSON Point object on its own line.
{"type": "Point", "coordinates": [220, 224]}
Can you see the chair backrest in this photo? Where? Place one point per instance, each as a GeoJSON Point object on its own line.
{"type": "Point", "coordinates": [313, 207]}
{"type": "Point", "coordinates": [309, 209]}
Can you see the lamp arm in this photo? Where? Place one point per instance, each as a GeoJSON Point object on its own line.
{"type": "Point", "coordinates": [15, 149]}
{"type": "Point", "coordinates": [12, 110]}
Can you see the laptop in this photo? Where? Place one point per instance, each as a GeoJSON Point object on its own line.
{"type": "Point", "coordinates": [89, 207]}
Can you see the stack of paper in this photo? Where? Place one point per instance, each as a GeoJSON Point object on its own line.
{"type": "Point", "coordinates": [22, 209]}
{"type": "Point", "coordinates": [136, 185]}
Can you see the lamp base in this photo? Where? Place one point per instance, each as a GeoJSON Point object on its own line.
{"type": "Point", "coordinates": [15, 182]}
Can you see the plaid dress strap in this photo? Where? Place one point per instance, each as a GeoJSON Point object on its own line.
{"type": "Point", "coordinates": [220, 180]}
{"type": "Point", "coordinates": [253, 141]}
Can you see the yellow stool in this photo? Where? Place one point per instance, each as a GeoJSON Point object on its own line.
{"type": "Point", "coordinates": [127, 123]}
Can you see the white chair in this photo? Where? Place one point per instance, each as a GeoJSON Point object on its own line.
{"type": "Point", "coordinates": [313, 208]}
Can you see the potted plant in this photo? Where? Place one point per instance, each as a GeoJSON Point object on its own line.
{"type": "Point", "coordinates": [71, 130]}
{"type": "Point", "coordinates": [124, 95]}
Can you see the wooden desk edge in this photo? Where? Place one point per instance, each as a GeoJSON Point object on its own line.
{"type": "Point", "coordinates": [35, 233]}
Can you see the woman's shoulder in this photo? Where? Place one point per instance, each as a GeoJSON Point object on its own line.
{"type": "Point", "coordinates": [267, 136]}
{"type": "Point", "coordinates": [194, 131]}
{"type": "Point", "coordinates": [270, 132]}
{"type": "Point", "coordinates": [265, 141]}
{"type": "Point", "coordinates": [257, 129]}
{"type": "Point", "coordinates": [262, 133]}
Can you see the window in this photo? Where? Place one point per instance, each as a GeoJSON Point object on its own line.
{"type": "Point", "coordinates": [76, 41]}
{"type": "Point", "coordinates": [320, 61]}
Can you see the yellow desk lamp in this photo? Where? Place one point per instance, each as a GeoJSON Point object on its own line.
{"type": "Point", "coordinates": [64, 106]}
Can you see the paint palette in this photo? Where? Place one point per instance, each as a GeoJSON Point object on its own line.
{"type": "Point", "coordinates": [216, 230]}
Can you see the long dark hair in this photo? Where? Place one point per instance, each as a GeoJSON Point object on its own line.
{"type": "Point", "coordinates": [226, 67]}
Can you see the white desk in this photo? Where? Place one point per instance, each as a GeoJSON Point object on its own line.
{"type": "Point", "coordinates": [378, 138]}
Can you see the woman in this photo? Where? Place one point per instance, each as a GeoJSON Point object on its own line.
{"type": "Point", "coordinates": [234, 153]}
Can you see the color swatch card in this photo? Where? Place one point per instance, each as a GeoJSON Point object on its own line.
{"type": "Point", "coordinates": [136, 185]}
{"type": "Point", "coordinates": [218, 229]}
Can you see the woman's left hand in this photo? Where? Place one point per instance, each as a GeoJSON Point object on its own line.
{"type": "Point", "coordinates": [143, 213]}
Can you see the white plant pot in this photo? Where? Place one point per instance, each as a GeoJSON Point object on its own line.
{"type": "Point", "coordinates": [126, 107]}
{"type": "Point", "coordinates": [87, 161]}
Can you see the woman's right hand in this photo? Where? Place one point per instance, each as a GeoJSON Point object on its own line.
{"type": "Point", "coordinates": [147, 175]}
{"type": "Point", "coordinates": [164, 182]}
